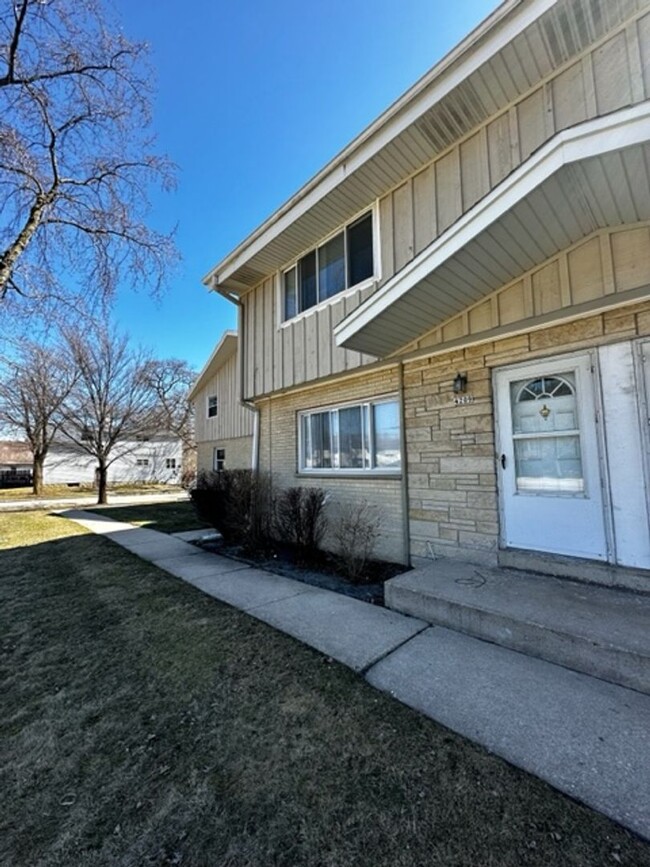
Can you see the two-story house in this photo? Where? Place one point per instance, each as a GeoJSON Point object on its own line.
{"type": "Point", "coordinates": [223, 425]}
{"type": "Point", "coordinates": [452, 318]}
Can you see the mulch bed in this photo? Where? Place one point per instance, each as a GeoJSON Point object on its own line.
{"type": "Point", "coordinates": [320, 570]}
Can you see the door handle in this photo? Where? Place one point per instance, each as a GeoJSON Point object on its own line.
{"type": "Point", "coordinates": [503, 461]}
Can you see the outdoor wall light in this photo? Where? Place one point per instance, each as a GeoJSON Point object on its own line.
{"type": "Point", "coordinates": [460, 383]}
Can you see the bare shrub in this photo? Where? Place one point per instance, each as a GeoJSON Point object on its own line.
{"type": "Point", "coordinates": [299, 517]}
{"type": "Point", "coordinates": [355, 532]}
{"type": "Point", "coordinates": [237, 503]}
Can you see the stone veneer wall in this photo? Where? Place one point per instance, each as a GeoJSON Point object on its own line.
{"type": "Point", "coordinates": [279, 453]}
{"type": "Point", "coordinates": [453, 504]}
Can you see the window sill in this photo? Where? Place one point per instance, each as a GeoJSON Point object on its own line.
{"type": "Point", "coordinates": [375, 475]}
{"type": "Point", "coordinates": [358, 287]}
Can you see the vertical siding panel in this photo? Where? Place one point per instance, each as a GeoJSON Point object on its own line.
{"type": "Point", "coordinates": [611, 75]}
{"type": "Point", "coordinates": [569, 100]}
{"type": "Point", "coordinates": [288, 356]}
{"type": "Point", "coordinates": [298, 329]}
{"type": "Point", "coordinates": [424, 208]}
{"type": "Point", "coordinates": [311, 345]}
{"type": "Point", "coordinates": [337, 311]}
{"type": "Point", "coordinates": [644, 46]}
{"type": "Point", "coordinates": [474, 170]}
{"type": "Point", "coordinates": [448, 193]}
{"type": "Point", "coordinates": [325, 341]}
{"type": "Point", "coordinates": [403, 224]}
{"type": "Point", "coordinates": [249, 335]}
{"type": "Point", "coordinates": [269, 328]}
{"type": "Point", "coordinates": [352, 358]}
{"type": "Point", "coordinates": [278, 343]}
{"type": "Point", "coordinates": [259, 340]}
{"type": "Point", "coordinates": [499, 148]}
{"type": "Point", "coordinates": [530, 114]}
{"type": "Point", "coordinates": [386, 238]}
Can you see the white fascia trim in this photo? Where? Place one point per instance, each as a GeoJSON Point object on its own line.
{"type": "Point", "coordinates": [226, 337]}
{"type": "Point", "coordinates": [600, 136]}
{"type": "Point", "coordinates": [467, 58]}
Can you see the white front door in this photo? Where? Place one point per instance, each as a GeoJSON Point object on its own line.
{"type": "Point", "coordinates": [550, 480]}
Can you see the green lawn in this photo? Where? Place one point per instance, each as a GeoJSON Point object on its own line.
{"type": "Point", "coordinates": [55, 492]}
{"type": "Point", "coordinates": [166, 517]}
{"type": "Point", "coordinates": [144, 723]}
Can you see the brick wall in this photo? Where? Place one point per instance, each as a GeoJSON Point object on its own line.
{"type": "Point", "coordinates": [451, 450]}
{"type": "Point", "coordinates": [279, 454]}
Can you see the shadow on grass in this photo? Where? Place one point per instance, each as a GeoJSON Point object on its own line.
{"type": "Point", "coordinates": [146, 723]}
{"type": "Point", "coordinates": [165, 517]}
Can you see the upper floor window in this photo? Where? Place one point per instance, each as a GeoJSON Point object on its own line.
{"type": "Point", "coordinates": [213, 405]}
{"type": "Point", "coordinates": [342, 262]}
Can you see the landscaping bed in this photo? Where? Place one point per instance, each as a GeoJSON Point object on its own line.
{"type": "Point", "coordinates": [320, 570]}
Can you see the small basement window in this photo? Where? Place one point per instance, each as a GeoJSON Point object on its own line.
{"type": "Point", "coordinates": [142, 462]}
{"type": "Point", "coordinates": [218, 460]}
{"type": "Point", "coordinates": [338, 264]}
{"type": "Point", "coordinates": [213, 405]}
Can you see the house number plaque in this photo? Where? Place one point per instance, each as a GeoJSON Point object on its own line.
{"type": "Point", "coordinates": [463, 399]}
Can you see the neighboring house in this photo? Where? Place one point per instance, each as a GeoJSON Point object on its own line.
{"type": "Point", "coordinates": [15, 463]}
{"type": "Point", "coordinates": [156, 458]}
{"type": "Point", "coordinates": [223, 426]}
{"type": "Point", "coordinates": [452, 318]}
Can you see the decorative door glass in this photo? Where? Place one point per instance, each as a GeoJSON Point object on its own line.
{"type": "Point", "coordinates": [546, 435]}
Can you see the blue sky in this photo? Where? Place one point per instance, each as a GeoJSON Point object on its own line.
{"type": "Point", "coordinates": [252, 99]}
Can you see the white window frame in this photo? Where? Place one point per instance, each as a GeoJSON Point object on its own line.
{"type": "Point", "coordinates": [215, 398]}
{"type": "Point", "coordinates": [142, 462]}
{"type": "Point", "coordinates": [373, 210]}
{"type": "Point", "coordinates": [216, 460]}
{"type": "Point", "coordinates": [170, 464]}
{"type": "Point", "coordinates": [367, 417]}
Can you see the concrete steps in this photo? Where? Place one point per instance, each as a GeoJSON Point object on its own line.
{"type": "Point", "coordinates": [603, 632]}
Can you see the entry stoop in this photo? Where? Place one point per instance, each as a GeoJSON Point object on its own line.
{"type": "Point", "coordinates": [601, 631]}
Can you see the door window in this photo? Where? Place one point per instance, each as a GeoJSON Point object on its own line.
{"type": "Point", "coordinates": [546, 435]}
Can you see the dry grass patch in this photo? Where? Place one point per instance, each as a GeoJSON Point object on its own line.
{"type": "Point", "coordinates": [56, 492]}
{"type": "Point", "coordinates": [146, 724]}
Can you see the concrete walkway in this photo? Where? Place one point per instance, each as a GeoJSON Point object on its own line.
{"type": "Point", "coordinates": [586, 737]}
{"type": "Point", "coordinates": [91, 500]}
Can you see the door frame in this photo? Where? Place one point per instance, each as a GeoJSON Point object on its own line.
{"type": "Point", "coordinates": [601, 446]}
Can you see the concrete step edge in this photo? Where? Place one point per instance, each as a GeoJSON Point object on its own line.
{"type": "Point", "coordinates": [614, 664]}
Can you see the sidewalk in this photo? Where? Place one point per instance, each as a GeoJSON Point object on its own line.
{"type": "Point", "coordinates": [91, 500]}
{"type": "Point", "coordinates": [586, 737]}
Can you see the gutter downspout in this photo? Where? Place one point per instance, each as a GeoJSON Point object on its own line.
{"type": "Point", "coordinates": [406, 541]}
{"type": "Point", "coordinates": [247, 404]}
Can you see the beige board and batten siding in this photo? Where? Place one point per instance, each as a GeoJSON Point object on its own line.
{"type": "Point", "coordinates": [280, 354]}
{"type": "Point", "coordinates": [279, 454]}
{"type": "Point", "coordinates": [611, 74]}
{"type": "Point", "coordinates": [231, 428]}
{"type": "Point", "coordinates": [606, 269]}
{"type": "Point", "coordinates": [451, 449]}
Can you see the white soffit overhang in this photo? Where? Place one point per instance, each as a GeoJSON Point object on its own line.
{"type": "Point", "coordinates": [587, 177]}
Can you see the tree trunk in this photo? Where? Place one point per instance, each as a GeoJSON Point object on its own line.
{"type": "Point", "coordinates": [37, 475]}
{"type": "Point", "coordinates": [102, 495]}
{"type": "Point", "coordinates": [17, 247]}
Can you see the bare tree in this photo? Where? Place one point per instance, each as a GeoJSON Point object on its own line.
{"type": "Point", "coordinates": [171, 380]}
{"type": "Point", "coordinates": [112, 401]}
{"type": "Point", "coordinates": [34, 385]}
{"type": "Point", "coordinates": [76, 159]}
